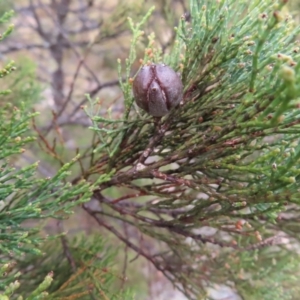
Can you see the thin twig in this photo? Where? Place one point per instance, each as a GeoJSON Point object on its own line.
{"type": "Point", "coordinates": [65, 246]}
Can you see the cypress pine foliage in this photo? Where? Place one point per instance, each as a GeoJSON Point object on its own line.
{"type": "Point", "coordinates": [213, 186]}
{"type": "Point", "coordinates": [217, 180]}
{"type": "Point", "coordinates": [31, 266]}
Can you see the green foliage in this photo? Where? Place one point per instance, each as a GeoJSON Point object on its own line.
{"type": "Point", "coordinates": [23, 196]}
{"type": "Point", "coordinates": [94, 275]}
{"type": "Point", "coordinates": [220, 173]}
{"type": "Point", "coordinates": [227, 157]}
{"type": "Point", "coordinates": [23, 82]}
{"type": "Point", "coordinates": [4, 72]}
{"type": "Point", "coordinates": [251, 88]}
{"type": "Point", "coordinates": [38, 293]}
{"type": "Point", "coordinates": [26, 199]}
{"type": "Point", "coordinates": [275, 279]}
{"type": "Point", "coordinates": [22, 85]}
